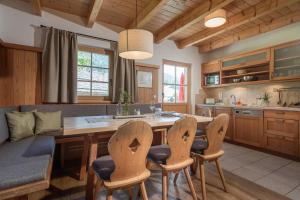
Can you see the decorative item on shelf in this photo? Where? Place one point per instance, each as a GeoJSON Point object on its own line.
{"type": "Point", "coordinates": [136, 43]}
{"type": "Point", "coordinates": [241, 71]}
{"type": "Point", "coordinates": [125, 99]}
{"type": "Point", "coordinates": [215, 19]}
{"type": "Point", "coordinates": [236, 80]}
{"type": "Point", "coordinates": [249, 78]}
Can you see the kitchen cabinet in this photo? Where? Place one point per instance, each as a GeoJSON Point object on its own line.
{"type": "Point", "coordinates": [248, 127]}
{"type": "Point", "coordinates": [281, 132]}
{"type": "Point", "coordinates": [286, 61]}
{"type": "Point", "coordinates": [220, 110]}
{"type": "Point", "coordinates": [210, 73]}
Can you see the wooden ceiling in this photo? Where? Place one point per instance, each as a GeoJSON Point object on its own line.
{"type": "Point", "coordinates": [178, 20]}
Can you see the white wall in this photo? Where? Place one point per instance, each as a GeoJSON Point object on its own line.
{"type": "Point", "coordinates": [278, 36]}
{"type": "Point", "coordinates": [20, 28]}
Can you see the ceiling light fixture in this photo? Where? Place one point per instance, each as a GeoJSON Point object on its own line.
{"type": "Point", "coordinates": [136, 44]}
{"type": "Point", "coordinates": [215, 19]}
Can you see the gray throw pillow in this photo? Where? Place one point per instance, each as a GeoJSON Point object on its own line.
{"type": "Point", "coordinates": [46, 122]}
{"type": "Point", "coordinates": [20, 124]}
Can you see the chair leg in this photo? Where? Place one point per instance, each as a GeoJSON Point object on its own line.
{"type": "Point", "coordinates": [221, 174]}
{"type": "Point", "coordinates": [130, 193]}
{"type": "Point", "coordinates": [109, 195]}
{"type": "Point", "coordinates": [194, 165]}
{"type": "Point", "coordinates": [202, 176]}
{"type": "Point", "coordinates": [97, 189]}
{"type": "Point", "coordinates": [143, 190]}
{"type": "Point", "coordinates": [189, 180]}
{"type": "Point", "coordinates": [164, 185]}
{"type": "Point", "coordinates": [175, 178]}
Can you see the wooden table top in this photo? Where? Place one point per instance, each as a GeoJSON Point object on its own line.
{"type": "Point", "coordinates": [98, 124]}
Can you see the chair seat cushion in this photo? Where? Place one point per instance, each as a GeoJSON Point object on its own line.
{"type": "Point", "coordinates": [104, 167]}
{"type": "Point", "coordinates": [199, 146]}
{"type": "Point", "coordinates": [200, 132]}
{"type": "Point", "coordinates": [159, 154]}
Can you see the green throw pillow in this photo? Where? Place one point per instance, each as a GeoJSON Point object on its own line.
{"type": "Point", "coordinates": [20, 124]}
{"type": "Point", "coordinates": [46, 122]}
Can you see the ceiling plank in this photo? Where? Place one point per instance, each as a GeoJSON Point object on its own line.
{"type": "Point", "coordinates": [260, 28]}
{"type": "Point", "coordinates": [189, 18]}
{"type": "Point", "coordinates": [151, 9]}
{"type": "Point", "coordinates": [254, 12]}
{"type": "Point", "coordinates": [94, 10]}
{"type": "Point", "coordinates": [36, 7]}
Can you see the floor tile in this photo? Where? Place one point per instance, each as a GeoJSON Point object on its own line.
{"type": "Point", "coordinates": [275, 185]}
{"type": "Point", "coordinates": [248, 173]}
{"type": "Point", "coordinates": [295, 194]}
{"type": "Point", "coordinates": [274, 162]}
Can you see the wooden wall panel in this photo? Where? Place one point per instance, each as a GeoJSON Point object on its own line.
{"type": "Point", "coordinates": [19, 75]}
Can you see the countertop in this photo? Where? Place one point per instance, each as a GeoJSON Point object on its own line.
{"type": "Point", "coordinates": [252, 107]}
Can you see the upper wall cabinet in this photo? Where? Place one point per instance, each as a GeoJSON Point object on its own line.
{"type": "Point", "coordinates": [246, 60]}
{"type": "Point", "coordinates": [210, 73]}
{"type": "Point", "coordinates": [286, 62]}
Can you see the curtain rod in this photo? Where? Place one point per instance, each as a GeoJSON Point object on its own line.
{"type": "Point", "coordinates": [84, 35]}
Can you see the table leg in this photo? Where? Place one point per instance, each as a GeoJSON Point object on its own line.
{"type": "Point", "coordinates": [91, 175]}
{"type": "Point", "coordinates": [84, 158]}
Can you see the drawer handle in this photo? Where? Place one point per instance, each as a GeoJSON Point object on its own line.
{"type": "Point", "coordinates": [280, 120]}
{"type": "Point", "coordinates": [280, 113]}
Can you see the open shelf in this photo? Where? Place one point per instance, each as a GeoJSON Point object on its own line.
{"type": "Point", "coordinates": [246, 65]}
{"type": "Point", "coordinates": [246, 74]}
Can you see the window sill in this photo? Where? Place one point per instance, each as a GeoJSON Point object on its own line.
{"type": "Point", "coordinates": [93, 100]}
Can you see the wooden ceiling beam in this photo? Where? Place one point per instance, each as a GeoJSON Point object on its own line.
{"type": "Point", "coordinates": [252, 13]}
{"type": "Point", "coordinates": [36, 7]}
{"type": "Point", "coordinates": [144, 16]}
{"type": "Point", "coordinates": [94, 11]}
{"type": "Point", "coordinates": [189, 18]}
{"type": "Point", "coordinates": [260, 28]}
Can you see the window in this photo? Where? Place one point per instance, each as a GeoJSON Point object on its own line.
{"type": "Point", "coordinates": [175, 82]}
{"type": "Point", "coordinates": [93, 72]}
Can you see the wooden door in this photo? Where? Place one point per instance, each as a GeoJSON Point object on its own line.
{"type": "Point", "coordinates": [147, 83]}
{"type": "Point", "coordinates": [176, 80]}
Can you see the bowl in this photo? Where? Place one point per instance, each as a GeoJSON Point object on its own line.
{"type": "Point", "coordinates": [249, 78]}
{"type": "Point", "coordinates": [241, 71]}
{"type": "Point", "coordinates": [236, 80]}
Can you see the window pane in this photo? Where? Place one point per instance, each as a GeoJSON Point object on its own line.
{"type": "Point", "coordinates": [181, 94]}
{"type": "Point", "coordinates": [84, 58]}
{"type": "Point", "coordinates": [100, 60]}
{"type": "Point", "coordinates": [83, 88]}
{"type": "Point", "coordinates": [83, 73]}
{"type": "Point", "coordinates": [169, 74]}
{"type": "Point", "coordinates": [181, 75]}
{"type": "Point", "coordinates": [169, 93]}
{"type": "Point", "coordinates": [100, 74]}
{"type": "Point", "coordinates": [100, 89]}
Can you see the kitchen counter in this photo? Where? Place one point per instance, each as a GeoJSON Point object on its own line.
{"type": "Point", "coordinates": [252, 107]}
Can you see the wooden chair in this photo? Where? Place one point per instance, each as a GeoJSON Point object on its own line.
{"type": "Point", "coordinates": [175, 156]}
{"type": "Point", "coordinates": [125, 166]}
{"type": "Point", "coordinates": [210, 148]}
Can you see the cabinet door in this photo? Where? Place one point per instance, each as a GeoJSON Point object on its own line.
{"type": "Point", "coordinates": [286, 61]}
{"type": "Point", "coordinates": [248, 130]}
{"type": "Point", "coordinates": [282, 127]}
{"type": "Point", "coordinates": [211, 67]}
{"type": "Point", "coordinates": [281, 144]}
{"type": "Point", "coordinates": [229, 133]}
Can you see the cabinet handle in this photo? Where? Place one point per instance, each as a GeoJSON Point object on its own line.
{"type": "Point", "coordinates": [280, 113]}
{"type": "Point", "coordinates": [280, 120]}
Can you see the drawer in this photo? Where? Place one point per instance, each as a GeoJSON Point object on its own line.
{"type": "Point", "coordinates": [282, 114]}
{"type": "Point", "coordinates": [281, 144]}
{"type": "Point", "coordinates": [282, 127]}
{"type": "Point", "coordinates": [220, 110]}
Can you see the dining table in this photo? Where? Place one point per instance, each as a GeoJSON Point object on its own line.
{"type": "Point", "coordinates": [92, 128]}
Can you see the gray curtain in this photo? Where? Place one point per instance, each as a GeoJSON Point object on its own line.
{"type": "Point", "coordinates": [124, 76]}
{"type": "Point", "coordinates": [59, 67]}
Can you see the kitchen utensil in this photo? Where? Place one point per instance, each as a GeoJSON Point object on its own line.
{"type": "Point", "coordinates": [249, 78]}
{"type": "Point", "coordinates": [241, 71]}
{"type": "Point", "coordinates": [236, 80]}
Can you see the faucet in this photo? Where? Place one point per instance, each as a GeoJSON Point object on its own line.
{"type": "Point", "coordinates": [234, 99]}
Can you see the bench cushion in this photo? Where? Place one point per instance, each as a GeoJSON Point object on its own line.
{"type": "Point", "coordinates": [25, 161]}
{"type": "Point", "coordinates": [4, 131]}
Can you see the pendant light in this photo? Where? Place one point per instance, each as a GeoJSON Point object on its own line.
{"type": "Point", "coordinates": [136, 43]}
{"type": "Point", "coordinates": [215, 19]}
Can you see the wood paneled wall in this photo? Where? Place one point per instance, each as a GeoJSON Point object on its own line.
{"type": "Point", "coordinates": [19, 75]}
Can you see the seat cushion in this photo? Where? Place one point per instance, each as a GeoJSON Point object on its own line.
{"type": "Point", "coordinates": [104, 167]}
{"type": "Point", "coordinates": [4, 132]}
{"type": "Point", "coordinates": [199, 146]}
{"type": "Point", "coordinates": [200, 132]}
{"type": "Point", "coordinates": [41, 145]}
{"type": "Point", "coordinates": [159, 154]}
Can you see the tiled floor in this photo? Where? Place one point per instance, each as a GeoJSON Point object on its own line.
{"type": "Point", "coordinates": [273, 172]}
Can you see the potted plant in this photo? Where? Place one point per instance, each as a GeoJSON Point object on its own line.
{"type": "Point", "coordinates": [125, 99]}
